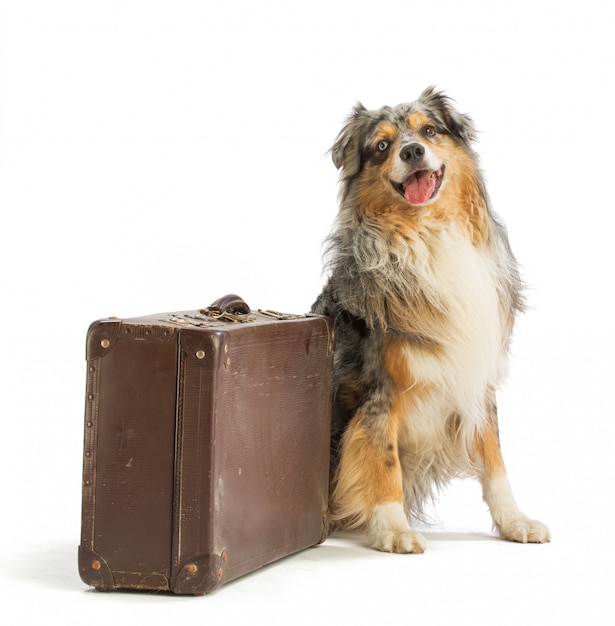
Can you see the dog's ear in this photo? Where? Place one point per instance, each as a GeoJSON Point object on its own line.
{"type": "Point", "coordinates": [347, 149]}
{"type": "Point", "coordinates": [457, 124]}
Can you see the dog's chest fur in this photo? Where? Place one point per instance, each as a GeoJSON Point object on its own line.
{"type": "Point", "coordinates": [461, 281]}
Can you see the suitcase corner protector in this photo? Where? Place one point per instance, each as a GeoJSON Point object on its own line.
{"type": "Point", "coordinates": [94, 570]}
{"type": "Point", "coordinates": [101, 337]}
{"type": "Point", "coordinates": [200, 575]}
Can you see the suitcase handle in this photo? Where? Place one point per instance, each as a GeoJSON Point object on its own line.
{"type": "Point", "coordinates": [230, 305]}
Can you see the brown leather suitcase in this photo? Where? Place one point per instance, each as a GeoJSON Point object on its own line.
{"type": "Point", "coordinates": [206, 448]}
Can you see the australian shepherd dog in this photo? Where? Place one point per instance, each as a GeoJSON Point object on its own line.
{"type": "Point", "coordinates": [424, 290]}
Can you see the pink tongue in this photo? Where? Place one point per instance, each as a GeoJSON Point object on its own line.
{"type": "Point", "coordinates": [419, 187]}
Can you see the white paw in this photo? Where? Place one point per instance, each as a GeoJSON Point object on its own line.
{"type": "Point", "coordinates": [389, 531]}
{"type": "Point", "coordinates": [400, 541]}
{"type": "Point", "coordinates": [525, 530]}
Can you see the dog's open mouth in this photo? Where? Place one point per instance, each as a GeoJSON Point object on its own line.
{"type": "Point", "coordinates": [421, 186]}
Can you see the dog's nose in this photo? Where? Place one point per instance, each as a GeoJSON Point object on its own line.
{"type": "Point", "coordinates": [412, 152]}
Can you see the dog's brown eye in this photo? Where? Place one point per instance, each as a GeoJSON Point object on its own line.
{"type": "Point", "coordinates": [429, 131]}
{"type": "Point", "coordinates": [383, 145]}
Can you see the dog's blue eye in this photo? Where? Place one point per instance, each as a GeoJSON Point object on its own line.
{"type": "Point", "coordinates": [383, 145]}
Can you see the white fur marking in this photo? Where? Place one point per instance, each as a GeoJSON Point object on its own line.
{"type": "Point", "coordinates": [462, 279]}
{"type": "Point", "coordinates": [389, 530]}
{"type": "Point", "coordinates": [512, 523]}
{"type": "Point", "coordinates": [400, 170]}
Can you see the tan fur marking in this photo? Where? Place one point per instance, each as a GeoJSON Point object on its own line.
{"type": "Point", "coordinates": [369, 472]}
{"type": "Point", "coordinates": [461, 197]}
{"type": "Point", "coordinates": [375, 195]}
{"type": "Point", "coordinates": [407, 388]}
{"type": "Point", "coordinates": [487, 447]}
{"type": "Point", "coordinates": [417, 119]}
{"type": "Point", "coordinates": [396, 364]}
{"type": "Point", "coordinates": [385, 131]}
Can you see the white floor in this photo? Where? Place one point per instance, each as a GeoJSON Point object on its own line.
{"type": "Point", "coordinates": [463, 578]}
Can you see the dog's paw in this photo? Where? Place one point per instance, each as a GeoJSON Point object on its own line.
{"type": "Point", "coordinates": [525, 530]}
{"type": "Point", "coordinates": [389, 531]}
{"type": "Point", "coordinates": [400, 541]}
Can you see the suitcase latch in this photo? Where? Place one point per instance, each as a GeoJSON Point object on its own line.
{"type": "Point", "coordinates": [276, 315]}
{"type": "Point", "coordinates": [227, 316]}
{"type": "Point", "coordinates": [190, 320]}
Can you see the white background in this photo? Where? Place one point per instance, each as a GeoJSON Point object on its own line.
{"type": "Point", "coordinates": [156, 155]}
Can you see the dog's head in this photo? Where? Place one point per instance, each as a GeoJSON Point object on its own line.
{"type": "Point", "coordinates": [403, 156]}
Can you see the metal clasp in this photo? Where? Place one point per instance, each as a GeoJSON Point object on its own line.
{"type": "Point", "coordinates": [280, 316]}
{"type": "Point", "coordinates": [227, 316]}
{"type": "Point", "coordinates": [189, 320]}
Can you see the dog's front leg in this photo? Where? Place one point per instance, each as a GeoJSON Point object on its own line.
{"type": "Point", "coordinates": [368, 485]}
{"type": "Point", "coordinates": [512, 523]}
